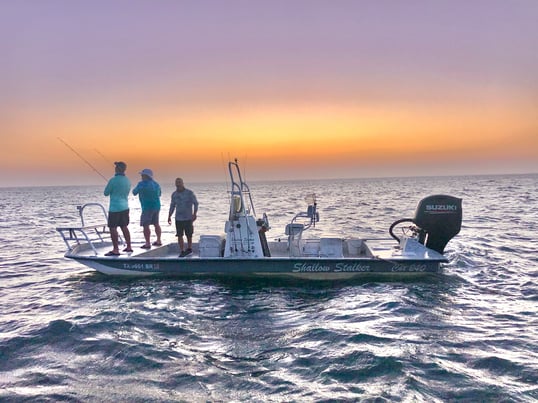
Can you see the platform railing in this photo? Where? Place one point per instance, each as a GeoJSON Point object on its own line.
{"type": "Point", "coordinates": [88, 234]}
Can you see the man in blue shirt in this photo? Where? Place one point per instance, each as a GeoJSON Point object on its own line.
{"type": "Point", "coordinates": [118, 188]}
{"type": "Point", "coordinates": [149, 193]}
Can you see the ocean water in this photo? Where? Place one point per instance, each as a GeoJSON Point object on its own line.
{"type": "Point", "coordinates": [469, 334]}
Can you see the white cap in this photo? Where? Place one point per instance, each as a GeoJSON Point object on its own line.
{"type": "Point", "coordinates": [147, 172]}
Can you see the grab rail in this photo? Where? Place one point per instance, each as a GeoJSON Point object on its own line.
{"type": "Point", "coordinates": [74, 236]}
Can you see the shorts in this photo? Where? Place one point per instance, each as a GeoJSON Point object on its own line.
{"type": "Point", "coordinates": [149, 217]}
{"type": "Point", "coordinates": [184, 227]}
{"type": "Point", "coordinates": [118, 218]}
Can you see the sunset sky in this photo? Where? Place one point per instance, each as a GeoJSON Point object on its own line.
{"type": "Point", "coordinates": [295, 89]}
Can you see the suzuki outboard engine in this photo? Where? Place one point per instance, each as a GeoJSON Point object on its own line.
{"type": "Point", "coordinates": [438, 220]}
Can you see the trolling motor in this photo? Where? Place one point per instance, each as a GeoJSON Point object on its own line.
{"type": "Point", "coordinates": [437, 220]}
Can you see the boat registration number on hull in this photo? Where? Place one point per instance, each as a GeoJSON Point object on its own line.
{"type": "Point", "coordinates": [140, 266]}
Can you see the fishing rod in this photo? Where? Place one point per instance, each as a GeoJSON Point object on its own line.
{"type": "Point", "coordinates": [83, 159]}
{"type": "Point", "coordinates": [102, 156]}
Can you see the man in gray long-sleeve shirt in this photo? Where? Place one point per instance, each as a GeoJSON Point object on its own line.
{"type": "Point", "coordinates": [186, 206]}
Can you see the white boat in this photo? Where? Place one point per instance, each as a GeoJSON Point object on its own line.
{"type": "Point", "coordinates": [243, 249]}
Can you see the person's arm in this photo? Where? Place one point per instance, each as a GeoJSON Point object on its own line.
{"type": "Point", "coordinates": [195, 205]}
{"type": "Point", "coordinates": [107, 189]}
{"type": "Point", "coordinates": [171, 209]}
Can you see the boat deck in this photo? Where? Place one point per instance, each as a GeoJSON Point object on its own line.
{"type": "Point", "coordinates": [386, 249]}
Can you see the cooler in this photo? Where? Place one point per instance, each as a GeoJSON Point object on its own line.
{"type": "Point", "coordinates": [211, 245]}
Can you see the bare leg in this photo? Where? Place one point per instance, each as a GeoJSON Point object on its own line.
{"type": "Point", "coordinates": [189, 238]}
{"type": "Point", "coordinates": [158, 232]}
{"type": "Point", "coordinates": [114, 238]}
{"type": "Point", "coordinates": [127, 236]}
{"type": "Point", "coordinates": [181, 243]}
{"type": "Point", "coordinates": [147, 234]}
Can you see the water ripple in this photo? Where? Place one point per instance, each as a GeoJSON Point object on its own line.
{"type": "Point", "coordinates": [470, 334]}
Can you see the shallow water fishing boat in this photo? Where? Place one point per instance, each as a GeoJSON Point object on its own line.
{"type": "Point", "coordinates": [243, 249]}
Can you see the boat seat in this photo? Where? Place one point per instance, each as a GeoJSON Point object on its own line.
{"type": "Point", "coordinates": [294, 229]}
{"type": "Point", "coordinates": [310, 247]}
{"type": "Point", "coordinates": [331, 247]}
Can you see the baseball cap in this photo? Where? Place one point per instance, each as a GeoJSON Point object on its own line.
{"type": "Point", "coordinates": [122, 166]}
{"type": "Point", "coordinates": [147, 172]}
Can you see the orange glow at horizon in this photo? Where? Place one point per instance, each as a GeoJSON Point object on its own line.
{"type": "Point", "coordinates": [293, 135]}
{"type": "Point", "coordinates": [311, 131]}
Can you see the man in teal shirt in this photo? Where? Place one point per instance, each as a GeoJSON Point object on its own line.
{"type": "Point", "coordinates": [118, 188]}
{"type": "Point", "coordinates": [149, 193]}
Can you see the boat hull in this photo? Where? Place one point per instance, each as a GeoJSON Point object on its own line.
{"type": "Point", "coordinates": [309, 268]}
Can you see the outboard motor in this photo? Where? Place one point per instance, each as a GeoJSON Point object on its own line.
{"type": "Point", "coordinates": [438, 219]}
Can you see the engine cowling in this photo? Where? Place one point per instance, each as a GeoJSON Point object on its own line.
{"type": "Point", "coordinates": [439, 219]}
